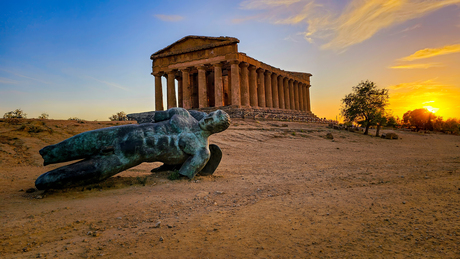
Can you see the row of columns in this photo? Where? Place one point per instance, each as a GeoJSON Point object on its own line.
{"type": "Point", "coordinates": [248, 86]}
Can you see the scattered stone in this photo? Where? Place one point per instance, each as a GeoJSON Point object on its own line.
{"type": "Point", "coordinates": [219, 192]}
{"type": "Point", "coordinates": [21, 190]}
{"type": "Point", "coordinates": [31, 190]}
{"type": "Point", "coordinates": [157, 225]}
{"type": "Point", "coordinates": [329, 136]}
{"type": "Point", "coordinates": [169, 226]}
{"type": "Point", "coordinates": [39, 197]}
{"type": "Point", "coordinates": [284, 125]}
{"type": "Point", "coordinates": [161, 239]}
{"type": "Point", "coordinates": [403, 202]}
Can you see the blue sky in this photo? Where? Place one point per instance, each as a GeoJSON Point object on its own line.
{"type": "Point", "coordinates": [90, 59]}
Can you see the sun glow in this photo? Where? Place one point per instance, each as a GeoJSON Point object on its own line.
{"type": "Point", "coordinates": [431, 109]}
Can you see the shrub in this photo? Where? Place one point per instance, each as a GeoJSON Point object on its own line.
{"type": "Point", "coordinates": [76, 119]}
{"type": "Point", "coordinates": [44, 116]}
{"type": "Point", "coordinates": [16, 114]}
{"type": "Point", "coordinates": [120, 116]}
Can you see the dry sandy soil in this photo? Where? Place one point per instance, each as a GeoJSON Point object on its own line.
{"type": "Point", "coordinates": [281, 191]}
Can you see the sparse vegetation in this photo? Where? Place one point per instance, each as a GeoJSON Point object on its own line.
{"type": "Point", "coordinates": [120, 116]}
{"type": "Point", "coordinates": [44, 116]}
{"type": "Point", "coordinates": [174, 175]}
{"type": "Point", "coordinates": [142, 180]}
{"type": "Point", "coordinates": [16, 114]}
{"type": "Point", "coordinates": [76, 119]}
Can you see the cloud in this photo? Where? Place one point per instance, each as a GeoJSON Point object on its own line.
{"type": "Point", "coordinates": [19, 75]}
{"type": "Point", "coordinates": [4, 80]}
{"type": "Point", "coordinates": [169, 18]}
{"type": "Point", "coordinates": [357, 22]}
{"type": "Point", "coordinates": [109, 83]}
{"type": "Point", "coordinates": [264, 4]}
{"type": "Point", "coordinates": [428, 53]}
{"type": "Point", "coordinates": [417, 66]}
{"type": "Point", "coordinates": [411, 28]}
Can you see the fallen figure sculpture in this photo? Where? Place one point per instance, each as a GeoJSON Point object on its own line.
{"type": "Point", "coordinates": [176, 137]}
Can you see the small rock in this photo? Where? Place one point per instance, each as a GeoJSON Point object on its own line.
{"type": "Point", "coordinates": [157, 225]}
{"type": "Point", "coordinates": [161, 239]}
{"type": "Point", "coordinates": [21, 190]}
{"type": "Point", "coordinates": [31, 190]}
{"type": "Point", "coordinates": [329, 136]}
{"type": "Point", "coordinates": [169, 226]}
{"type": "Point", "coordinates": [403, 202]}
{"type": "Point", "coordinates": [96, 234]}
{"type": "Point", "coordinates": [39, 197]}
{"type": "Point", "coordinates": [219, 192]}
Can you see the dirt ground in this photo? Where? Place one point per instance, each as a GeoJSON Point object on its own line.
{"type": "Point", "coordinates": [282, 190]}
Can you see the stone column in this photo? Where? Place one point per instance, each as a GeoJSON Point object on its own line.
{"type": "Point", "coordinates": [296, 94]}
{"type": "Point", "coordinates": [308, 98]}
{"type": "Point", "coordinates": [171, 89]}
{"type": "Point", "coordinates": [180, 92]}
{"type": "Point", "coordinates": [301, 105]}
{"type": "Point", "coordinates": [268, 89]}
{"type": "Point", "coordinates": [244, 84]}
{"type": "Point", "coordinates": [253, 86]}
{"type": "Point", "coordinates": [281, 92]}
{"type": "Point", "coordinates": [202, 87]}
{"type": "Point", "coordinates": [158, 92]}
{"type": "Point", "coordinates": [275, 96]}
{"type": "Point", "coordinates": [287, 99]}
{"type": "Point", "coordinates": [261, 87]}
{"type": "Point", "coordinates": [291, 94]}
{"type": "Point", "coordinates": [186, 91]}
{"type": "Point", "coordinates": [235, 82]}
{"type": "Point", "coordinates": [218, 85]}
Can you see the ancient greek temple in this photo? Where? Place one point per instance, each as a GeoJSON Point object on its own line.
{"type": "Point", "coordinates": [210, 72]}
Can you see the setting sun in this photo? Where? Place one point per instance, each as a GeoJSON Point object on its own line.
{"type": "Point", "coordinates": [431, 109]}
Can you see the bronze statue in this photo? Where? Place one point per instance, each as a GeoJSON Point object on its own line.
{"type": "Point", "coordinates": [174, 137]}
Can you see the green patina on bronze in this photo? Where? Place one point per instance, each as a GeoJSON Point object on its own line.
{"type": "Point", "coordinates": [175, 137]}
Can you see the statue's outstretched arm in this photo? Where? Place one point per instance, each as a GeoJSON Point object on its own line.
{"type": "Point", "coordinates": [195, 163]}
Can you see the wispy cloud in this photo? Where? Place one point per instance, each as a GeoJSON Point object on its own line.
{"type": "Point", "coordinates": [169, 18]}
{"type": "Point", "coordinates": [4, 80]}
{"type": "Point", "coordinates": [411, 28]}
{"type": "Point", "coordinates": [417, 66]}
{"type": "Point", "coordinates": [359, 21]}
{"type": "Point", "coordinates": [428, 53]}
{"type": "Point", "coordinates": [23, 76]}
{"type": "Point", "coordinates": [109, 83]}
{"type": "Point", "coordinates": [266, 4]}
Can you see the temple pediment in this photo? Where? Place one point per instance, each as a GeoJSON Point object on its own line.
{"type": "Point", "coordinates": [193, 43]}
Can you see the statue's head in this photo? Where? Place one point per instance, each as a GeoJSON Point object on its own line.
{"type": "Point", "coordinates": [215, 122]}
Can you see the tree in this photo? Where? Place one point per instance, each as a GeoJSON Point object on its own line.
{"type": "Point", "coordinates": [421, 119]}
{"type": "Point", "coordinates": [452, 125]}
{"type": "Point", "coordinates": [16, 114]}
{"type": "Point", "coordinates": [365, 104]}
{"type": "Point", "coordinates": [392, 121]}
{"type": "Point", "coordinates": [44, 116]}
{"type": "Point", "coordinates": [120, 116]}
